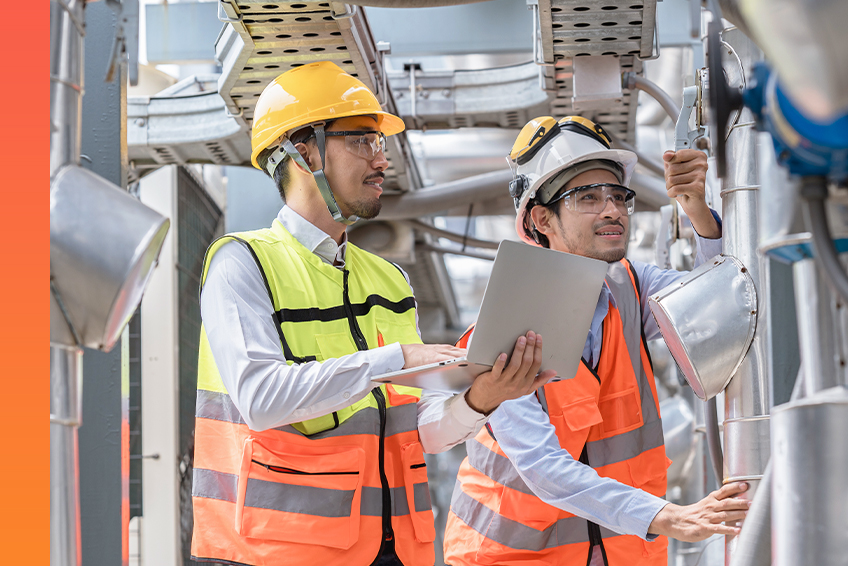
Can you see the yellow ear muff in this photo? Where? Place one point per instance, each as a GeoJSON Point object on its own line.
{"type": "Point", "coordinates": [533, 136]}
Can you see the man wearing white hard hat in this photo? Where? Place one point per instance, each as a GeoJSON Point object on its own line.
{"type": "Point", "coordinates": [575, 474]}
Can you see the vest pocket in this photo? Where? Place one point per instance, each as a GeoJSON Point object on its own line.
{"type": "Point", "coordinates": [417, 491]}
{"type": "Point", "coordinates": [572, 426]}
{"type": "Point", "coordinates": [301, 494]}
{"type": "Point", "coordinates": [621, 412]}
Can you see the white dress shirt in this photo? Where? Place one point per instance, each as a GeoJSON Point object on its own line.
{"type": "Point", "coordinates": [269, 393]}
{"type": "Point", "coordinates": [528, 438]}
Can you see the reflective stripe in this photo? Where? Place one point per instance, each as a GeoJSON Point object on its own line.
{"type": "Point", "coordinates": [302, 499]}
{"type": "Point", "coordinates": [214, 485]}
{"type": "Point", "coordinates": [495, 466]}
{"type": "Point", "coordinates": [625, 446]}
{"type": "Point", "coordinates": [512, 534]}
{"type": "Point", "coordinates": [219, 406]}
{"type": "Point", "coordinates": [338, 312]}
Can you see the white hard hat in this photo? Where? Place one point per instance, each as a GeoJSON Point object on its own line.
{"type": "Point", "coordinates": [546, 147]}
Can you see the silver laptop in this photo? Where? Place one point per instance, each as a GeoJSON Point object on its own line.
{"type": "Point", "coordinates": [530, 288]}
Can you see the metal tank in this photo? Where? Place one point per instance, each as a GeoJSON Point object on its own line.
{"type": "Point", "coordinates": [810, 468]}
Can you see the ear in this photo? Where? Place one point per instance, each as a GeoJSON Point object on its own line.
{"type": "Point", "coordinates": [310, 155]}
{"type": "Point", "coordinates": [543, 219]}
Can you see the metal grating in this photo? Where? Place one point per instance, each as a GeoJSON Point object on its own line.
{"type": "Point", "coordinates": [597, 27]}
{"type": "Point", "coordinates": [617, 118]}
{"type": "Point", "coordinates": [134, 326]}
{"type": "Point", "coordinates": [199, 222]}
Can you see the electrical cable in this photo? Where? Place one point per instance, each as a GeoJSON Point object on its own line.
{"type": "Point", "coordinates": [814, 195]}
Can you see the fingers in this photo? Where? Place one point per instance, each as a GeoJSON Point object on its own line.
{"type": "Point", "coordinates": [729, 490]}
{"type": "Point", "coordinates": [683, 155]}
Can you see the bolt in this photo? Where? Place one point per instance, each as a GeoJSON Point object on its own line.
{"type": "Point", "coordinates": [140, 122]}
{"type": "Point", "coordinates": [744, 270]}
{"type": "Point", "coordinates": [400, 94]}
{"type": "Point", "coordinates": [446, 93]}
{"type": "Point", "coordinates": [425, 94]}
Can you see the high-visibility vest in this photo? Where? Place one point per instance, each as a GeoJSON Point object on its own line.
{"type": "Point", "coordinates": [331, 489]}
{"type": "Point", "coordinates": [608, 418]}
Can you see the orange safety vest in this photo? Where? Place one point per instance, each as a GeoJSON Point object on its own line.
{"type": "Point", "coordinates": [332, 489]}
{"type": "Point", "coordinates": [608, 418]}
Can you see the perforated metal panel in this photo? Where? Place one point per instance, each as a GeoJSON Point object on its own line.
{"type": "Point", "coordinates": [602, 27]}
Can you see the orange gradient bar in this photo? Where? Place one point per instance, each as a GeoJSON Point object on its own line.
{"type": "Point", "coordinates": [25, 283]}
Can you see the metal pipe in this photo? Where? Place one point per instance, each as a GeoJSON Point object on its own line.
{"type": "Point", "coordinates": [817, 341]}
{"type": "Point", "coordinates": [814, 193]}
{"type": "Point", "coordinates": [747, 398]}
{"type": "Point", "coordinates": [466, 253]}
{"type": "Point", "coordinates": [66, 87]}
{"type": "Point", "coordinates": [453, 236]}
{"type": "Point", "coordinates": [635, 82]}
{"type": "Point", "coordinates": [713, 437]}
{"type": "Point", "coordinates": [440, 198]}
{"type": "Point", "coordinates": [650, 164]}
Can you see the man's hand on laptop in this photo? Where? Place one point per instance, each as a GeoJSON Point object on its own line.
{"type": "Point", "coordinates": [415, 355]}
{"type": "Point", "coordinates": [510, 381]}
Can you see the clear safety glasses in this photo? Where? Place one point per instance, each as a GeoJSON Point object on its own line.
{"type": "Point", "coordinates": [365, 144]}
{"type": "Point", "coordinates": [592, 199]}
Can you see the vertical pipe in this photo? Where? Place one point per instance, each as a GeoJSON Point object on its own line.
{"type": "Point", "coordinates": [816, 328]}
{"type": "Point", "coordinates": [747, 397]}
{"type": "Point", "coordinates": [66, 51]}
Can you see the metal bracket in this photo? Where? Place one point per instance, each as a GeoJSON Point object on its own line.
{"type": "Point", "coordinates": [350, 11]}
{"type": "Point", "coordinates": [222, 14]}
{"type": "Point", "coordinates": [126, 39]}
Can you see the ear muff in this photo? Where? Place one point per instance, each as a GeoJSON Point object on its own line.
{"type": "Point", "coordinates": [532, 137]}
{"type": "Point", "coordinates": [581, 125]}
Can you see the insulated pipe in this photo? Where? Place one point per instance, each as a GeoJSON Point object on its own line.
{"type": "Point", "coordinates": [651, 165]}
{"type": "Point", "coordinates": [747, 445]}
{"type": "Point", "coordinates": [427, 202]}
{"type": "Point", "coordinates": [633, 81]}
{"type": "Point", "coordinates": [814, 193]}
{"type": "Point", "coordinates": [452, 236]}
{"type": "Point", "coordinates": [66, 56]}
{"type": "Point", "coordinates": [478, 188]}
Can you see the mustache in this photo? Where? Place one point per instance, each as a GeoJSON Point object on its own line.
{"type": "Point", "coordinates": [377, 175]}
{"type": "Point", "coordinates": [608, 223]}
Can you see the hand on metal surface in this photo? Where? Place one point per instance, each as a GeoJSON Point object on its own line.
{"type": "Point", "coordinates": [415, 355]}
{"type": "Point", "coordinates": [686, 181]}
{"type": "Point", "coordinates": [510, 380]}
{"type": "Point", "coordinates": [701, 520]}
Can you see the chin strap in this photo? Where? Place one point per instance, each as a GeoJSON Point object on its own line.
{"type": "Point", "coordinates": [287, 148]}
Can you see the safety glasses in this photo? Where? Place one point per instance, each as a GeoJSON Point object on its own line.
{"type": "Point", "coordinates": [365, 144]}
{"type": "Point", "coordinates": [592, 199]}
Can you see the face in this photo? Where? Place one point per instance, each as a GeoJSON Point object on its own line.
{"type": "Point", "coordinates": [355, 180]}
{"type": "Point", "coordinates": [602, 236]}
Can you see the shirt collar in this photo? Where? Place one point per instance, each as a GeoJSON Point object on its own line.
{"type": "Point", "coordinates": [313, 238]}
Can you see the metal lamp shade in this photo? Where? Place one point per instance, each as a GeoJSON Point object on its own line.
{"type": "Point", "coordinates": [708, 320]}
{"type": "Point", "coordinates": [103, 246]}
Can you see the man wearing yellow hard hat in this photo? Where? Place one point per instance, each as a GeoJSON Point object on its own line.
{"type": "Point", "coordinates": [299, 459]}
{"type": "Point", "coordinates": [575, 474]}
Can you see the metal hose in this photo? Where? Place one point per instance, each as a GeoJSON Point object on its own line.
{"type": "Point", "coordinates": [714, 439]}
{"type": "Point", "coordinates": [814, 195]}
{"type": "Point", "coordinates": [633, 81]}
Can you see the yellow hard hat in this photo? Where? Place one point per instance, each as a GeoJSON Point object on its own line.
{"type": "Point", "coordinates": [313, 93]}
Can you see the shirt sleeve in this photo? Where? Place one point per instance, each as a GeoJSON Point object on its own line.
{"type": "Point", "coordinates": [237, 316]}
{"type": "Point", "coordinates": [529, 440]}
